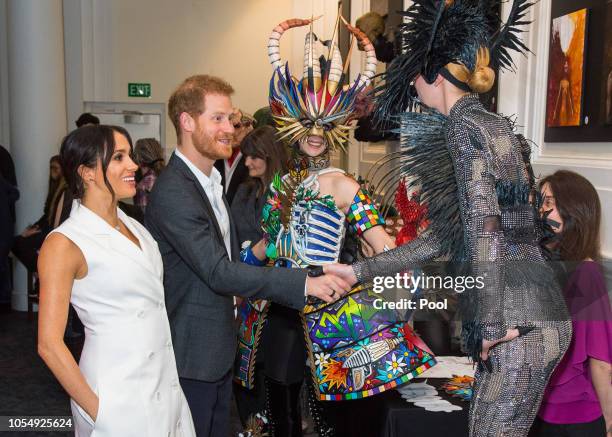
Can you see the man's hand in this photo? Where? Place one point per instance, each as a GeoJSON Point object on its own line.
{"type": "Point", "coordinates": [328, 288]}
{"type": "Point", "coordinates": [341, 270]}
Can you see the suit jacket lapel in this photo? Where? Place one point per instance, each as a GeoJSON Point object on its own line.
{"type": "Point", "coordinates": [233, 237]}
{"type": "Point", "coordinates": [178, 163]}
{"type": "Point", "coordinates": [237, 177]}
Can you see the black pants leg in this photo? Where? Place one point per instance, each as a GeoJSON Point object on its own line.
{"type": "Point", "coordinates": [250, 402]}
{"type": "Point", "coordinates": [209, 403]}
{"type": "Point", "coordinates": [285, 409]}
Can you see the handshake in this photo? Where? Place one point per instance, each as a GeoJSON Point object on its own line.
{"type": "Point", "coordinates": [330, 282]}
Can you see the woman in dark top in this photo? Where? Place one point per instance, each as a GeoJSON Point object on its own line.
{"type": "Point", "coordinates": [578, 398]}
{"type": "Point", "coordinates": [26, 245]}
{"type": "Point", "coordinates": [264, 157]}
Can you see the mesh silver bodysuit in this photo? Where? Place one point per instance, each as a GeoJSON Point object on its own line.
{"type": "Point", "coordinates": [500, 239]}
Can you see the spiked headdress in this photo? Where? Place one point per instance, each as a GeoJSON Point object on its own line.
{"type": "Point", "coordinates": [317, 104]}
{"type": "Point", "coordinates": [438, 32]}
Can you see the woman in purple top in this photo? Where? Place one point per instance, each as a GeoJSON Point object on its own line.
{"type": "Point", "coordinates": [578, 399]}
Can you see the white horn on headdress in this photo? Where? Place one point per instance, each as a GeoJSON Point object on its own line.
{"type": "Point", "coordinates": [370, 69]}
{"type": "Point", "coordinates": [277, 32]}
{"type": "Point", "coordinates": [335, 69]}
{"type": "Point", "coordinates": [311, 59]}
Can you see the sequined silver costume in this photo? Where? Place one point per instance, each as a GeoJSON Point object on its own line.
{"type": "Point", "coordinates": [500, 242]}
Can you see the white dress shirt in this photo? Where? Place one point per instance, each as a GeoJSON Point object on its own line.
{"type": "Point", "coordinates": [214, 191]}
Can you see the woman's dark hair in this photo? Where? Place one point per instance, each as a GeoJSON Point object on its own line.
{"type": "Point", "coordinates": [54, 184]}
{"type": "Point", "coordinates": [85, 146]}
{"type": "Point", "coordinates": [262, 143]}
{"type": "Point", "coordinates": [149, 152]}
{"type": "Point", "coordinates": [578, 204]}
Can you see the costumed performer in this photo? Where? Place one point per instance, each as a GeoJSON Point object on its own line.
{"type": "Point", "coordinates": [354, 350]}
{"type": "Point", "coordinates": [476, 180]}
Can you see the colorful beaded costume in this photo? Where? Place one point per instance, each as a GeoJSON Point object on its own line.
{"type": "Point", "coordinates": [354, 349]}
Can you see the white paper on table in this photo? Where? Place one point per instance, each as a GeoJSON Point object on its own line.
{"type": "Point", "coordinates": [426, 396]}
{"type": "Point", "coordinates": [447, 367]}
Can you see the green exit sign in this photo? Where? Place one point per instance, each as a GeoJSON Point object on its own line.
{"type": "Point", "coordinates": [139, 90]}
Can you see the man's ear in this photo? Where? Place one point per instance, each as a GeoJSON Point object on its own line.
{"type": "Point", "coordinates": [187, 122]}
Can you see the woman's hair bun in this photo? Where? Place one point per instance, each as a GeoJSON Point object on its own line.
{"type": "Point", "coordinates": [482, 79]}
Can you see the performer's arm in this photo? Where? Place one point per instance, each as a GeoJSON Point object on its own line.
{"type": "Point", "coordinates": [410, 255]}
{"type": "Point", "coordinates": [378, 239]}
{"type": "Point", "coordinates": [364, 217]}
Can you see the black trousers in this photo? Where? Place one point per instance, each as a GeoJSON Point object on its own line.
{"type": "Point", "coordinates": [26, 249]}
{"type": "Point", "coordinates": [209, 403]}
{"type": "Point", "coordinates": [595, 428]}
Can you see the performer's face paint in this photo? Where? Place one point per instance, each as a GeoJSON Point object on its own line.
{"type": "Point", "coordinates": [313, 145]}
{"type": "Point", "coordinates": [257, 166]}
{"type": "Point", "coordinates": [214, 131]}
{"type": "Point", "coordinates": [548, 204]}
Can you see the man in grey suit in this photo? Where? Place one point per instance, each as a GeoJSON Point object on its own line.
{"type": "Point", "coordinates": [188, 216]}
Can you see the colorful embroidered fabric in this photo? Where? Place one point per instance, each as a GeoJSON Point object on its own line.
{"type": "Point", "coordinates": [359, 350]}
{"type": "Point", "coordinates": [251, 315]}
{"type": "Point", "coordinates": [363, 214]}
{"type": "Point", "coordinates": [355, 349]}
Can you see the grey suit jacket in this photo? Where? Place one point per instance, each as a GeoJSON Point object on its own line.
{"type": "Point", "coordinates": [200, 279]}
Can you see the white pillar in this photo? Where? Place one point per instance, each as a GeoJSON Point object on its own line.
{"type": "Point", "coordinates": [37, 106]}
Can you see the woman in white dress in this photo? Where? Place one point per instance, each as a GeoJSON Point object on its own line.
{"type": "Point", "coordinates": [109, 267]}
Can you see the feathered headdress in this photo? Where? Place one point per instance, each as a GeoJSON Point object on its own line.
{"type": "Point", "coordinates": [438, 32]}
{"type": "Point", "coordinates": [317, 104]}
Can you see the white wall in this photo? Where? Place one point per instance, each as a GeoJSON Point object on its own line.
{"type": "Point", "coordinates": [162, 42]}
{"type": "Point", "coordinates": [113, 42]}
{"type": "Point", "coordinates": [524, 94]}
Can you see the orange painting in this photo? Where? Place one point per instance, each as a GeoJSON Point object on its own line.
{"type": "Point", "coordinates": [566, 70]}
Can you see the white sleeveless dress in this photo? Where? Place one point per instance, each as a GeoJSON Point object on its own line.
{"type": "Point", "coordinates": [127, 358]}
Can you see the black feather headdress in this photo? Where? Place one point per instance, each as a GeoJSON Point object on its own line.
{"type": "Point", "coordinates": [436, 32]}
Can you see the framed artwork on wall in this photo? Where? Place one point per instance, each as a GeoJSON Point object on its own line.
{"type": "Point", "coordinates": [606, 89]}
{"type": "Point", "coordinates": [579, 86]}
{"type": "Point", "coordinates": [566, 69]}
